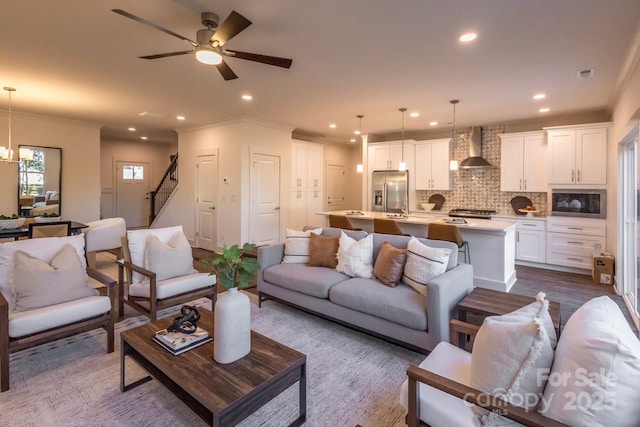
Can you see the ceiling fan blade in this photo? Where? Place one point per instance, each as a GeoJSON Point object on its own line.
{"type": "Point", "coordinates": [269, 60]}
{"type": "Point", "coordinates": [156, 26]}
{"type": "Point", "coordinates": [165, 55]}
{"type": "Point", "coordinates": [234, 24]}
{"type": "Point", "coordinates": [226, 71]}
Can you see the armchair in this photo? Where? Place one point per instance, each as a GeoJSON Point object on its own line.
{"type": "Point", "coordinates": [159, 272]}
{"type": "Point", "coordinates": [45, 295]}
{"type": "Point", "coordinates": [595, 371]}
{"type": "Point", "coordinates": [103, 235]}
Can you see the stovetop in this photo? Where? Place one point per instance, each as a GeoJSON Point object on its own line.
{"type": "Point", "coordinates": [472, 213]}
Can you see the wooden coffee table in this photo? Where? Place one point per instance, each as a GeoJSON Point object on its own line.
{"type": "Point", "coordinates": [486, 302]}
{"type": "Point", "coordinates": [222, 395]}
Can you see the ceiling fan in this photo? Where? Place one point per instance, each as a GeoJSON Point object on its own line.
{"type": "Point", "coordinates": [208, 48]}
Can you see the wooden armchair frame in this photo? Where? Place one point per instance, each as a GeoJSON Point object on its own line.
{"type": "Point", "coordinates": [418, 375]}
{"type": "Point", "coordinates": [154, 304]}
{"type": "Point", "coordinates": [10, 345]}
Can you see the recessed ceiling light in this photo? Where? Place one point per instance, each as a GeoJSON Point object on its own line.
{"type": "Point", "coordinates": [414, 114]}
{"type": "Point", "coordinates": [544, 110]}
{"type": "Point", "coordinates": [143, 138]}
{"type": "Point", "coordinates": [353, 140]}
{"type": "Point", "coordinates": [433, 123]}
{"type": "Point", "coordinates": [539, 96]}
{"type": "Point", "coordinates": [332, 125]}
{"type": "Point", "coordinates": [180, 117]}
{"type": "Point", "coordinates": [468, 37]}
{"type": "Point", "coordinates": [247, 97]}
{"type": "Point", "coordinates": [132, 129]}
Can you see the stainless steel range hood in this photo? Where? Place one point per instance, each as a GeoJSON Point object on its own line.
{"type": "Point", "coordinates": [475, 159]}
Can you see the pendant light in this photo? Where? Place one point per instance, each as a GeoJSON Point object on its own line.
{"type": "Point", "coordinates": [403, 166]}
{"type": "Point", "coordinates": [359, 166]}
{"type": "Point", "coordinates": [6, 153]}
{"type": "Point", "coordinates": [453, 164]}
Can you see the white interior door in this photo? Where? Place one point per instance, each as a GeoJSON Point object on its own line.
{"type": "Point", "coordinates": [132, 192]}
{"type": "Point", "coordinates": [335, 187]}
{"type": "Point", "coordinates": [264, 221]}
{"type": "Point", "coordinates": [206, 196]}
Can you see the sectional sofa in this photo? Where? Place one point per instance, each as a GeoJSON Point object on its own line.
{"type": "Point", "coordinates": [397, 314]}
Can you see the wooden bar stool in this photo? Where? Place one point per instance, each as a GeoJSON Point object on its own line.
{"type": "Point", "coordinates": [450, 233]}
{"type": "Point", "coordinates": [387, 226]}
{"type": "Point", "coordinates": [338, 221]}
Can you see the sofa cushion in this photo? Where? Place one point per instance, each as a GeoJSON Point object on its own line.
{"type": "Point", "coordinates": [323, 251]}
{"type": "Point", "coordinates": [423, 264]}
{"type": "Point", "coordinates": [508, 354]}
{"type": "Point", "coordinates": [37, 283]}
{"type": "Point", "coordinates": [296, 246]}
{"type": "Point", "coordinates": [389, 264]}
{"type": "Point", "coordinates": [595, 376]}
{"type": "Point", "coordinates": [372, 297]}
{"type": "Point", "coordinates": [355, 257]}
{"type": "Point", "coordinates": [313, 281]}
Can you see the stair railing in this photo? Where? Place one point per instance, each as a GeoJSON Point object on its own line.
{"type": "Point", "coordinates": [160, 195]}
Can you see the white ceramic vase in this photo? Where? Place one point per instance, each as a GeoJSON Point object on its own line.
{"type": "Point", "coordinates": [232, 330]}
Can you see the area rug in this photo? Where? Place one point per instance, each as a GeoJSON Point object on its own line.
{"type": "Point", "coordinates": [352, 379]}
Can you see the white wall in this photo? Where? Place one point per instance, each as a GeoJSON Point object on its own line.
{"type": "Point", "coordinates": [80, 143]}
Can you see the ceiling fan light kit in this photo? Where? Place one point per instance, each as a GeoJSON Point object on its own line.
{"type": "Point", "coordinates": [209, 46]}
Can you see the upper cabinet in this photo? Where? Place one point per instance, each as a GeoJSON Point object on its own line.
{"type": "Point", "coordinates": [386, 156]}
{"type": "Point", "coordinates": [578, 155]}
{"type": "Point", "coordinates": [307, 182]}
{"type": "Point", "coordinates": [432, 165]}
{"type": "Point", "coordinates": [523, 162]}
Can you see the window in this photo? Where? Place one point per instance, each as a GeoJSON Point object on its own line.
{"type": "Point", "coordinates": [133, 172]}
{"type": "Point", "coordinates": [32, 175]}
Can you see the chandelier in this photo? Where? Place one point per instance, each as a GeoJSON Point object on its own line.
{"type": "Point", "coordinates": [6, 153]}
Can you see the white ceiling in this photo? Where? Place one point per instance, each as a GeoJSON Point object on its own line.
{"type": "Point", "coordinates": [77, 59]}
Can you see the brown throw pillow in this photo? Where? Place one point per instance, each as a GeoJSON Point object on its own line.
{"type": "Point", "coordinates": [389, 264]}
{"type": "Point", "coordinates": [322, 251]}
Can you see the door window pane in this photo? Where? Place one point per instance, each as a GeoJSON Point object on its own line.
{"type": "Point", "coordinates": [133, 172]}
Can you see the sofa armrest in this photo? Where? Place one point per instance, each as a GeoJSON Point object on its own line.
{"type": "Point", "coordinates": [418, 375]}
{"type": "Point", "coordinates": [443, 295]}
{"type": "Point", "coordinates": [270, 255]}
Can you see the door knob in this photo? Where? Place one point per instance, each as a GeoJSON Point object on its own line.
{"type": "Point", "coordinates": [213, 208]}
{"type": "Point", "coordinates": [277, 208]}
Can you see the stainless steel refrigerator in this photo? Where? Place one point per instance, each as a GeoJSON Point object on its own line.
{"type": "Point", "coordinates": [390, 191]}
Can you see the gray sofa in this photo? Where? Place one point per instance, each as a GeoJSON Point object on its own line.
{"type": "Point", "coordinates": [399, 314]}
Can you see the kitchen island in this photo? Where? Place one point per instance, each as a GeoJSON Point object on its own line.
{"type": "Point", "coordinates": [491, 242]}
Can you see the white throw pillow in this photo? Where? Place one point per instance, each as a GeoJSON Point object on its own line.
{"type": "Point", "coordinates": [423, 264]}
{"type": "Point", "coordinates": [137, 242]}
{"type": "Point", "coordinates": [596, 373]}
{"type": "Point", "coordinates": [296, 246]}
{"type": "Point", "coordinates": [509, 353]}
{"type": "Point", "coordinates": [37, 283]}
{"type": "Point", "coordinates": [171, 259]}
{"type": "Point", "coordinates": [355, 257]}
{"type": "Point", "coordinates": [538, 309]}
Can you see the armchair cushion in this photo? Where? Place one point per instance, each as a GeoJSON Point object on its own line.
{"type": "Point", "coordinates": [168, 260]}
{"type": "Point", "coordinates": [38, 283]}
{"type": "Point", "coordinates": [138, 241]}
{"type": "Point", "coordinates": [598, 358]}
{"type": "Point", "coordinates": [44, 249]}
{"type": "Point", "coordinates": [105, 234]}
{"type": "Point", "coordinates": [174, 286]}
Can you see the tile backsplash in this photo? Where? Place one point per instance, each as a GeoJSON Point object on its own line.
{"type": "Point", "coordinates": [480, 188]}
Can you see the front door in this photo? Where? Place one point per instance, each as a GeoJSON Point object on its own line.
{"type": "Point", "coordinates": [264, 228]}
{"type": "Point", "coordinates": [335, 187]}
{"type": "Point", "coordinates": [132, 193]}
{"type": "Point", "coordinates": [206, 196]}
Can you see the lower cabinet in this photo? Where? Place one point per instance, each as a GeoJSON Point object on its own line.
{"type": "Point", "coordinates": [571, 242]}
{"type": "Point", "coordinates": [531, 240]}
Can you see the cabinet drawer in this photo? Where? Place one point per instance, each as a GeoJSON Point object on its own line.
{"type": "Point", "coordinates": [572, 244]}
{"type": "Point", "coordinates": [569, 260]}
{"type": "Point", "coordinates": [592, 229]}
{"type": "Point", "coordinates": [524, 224]}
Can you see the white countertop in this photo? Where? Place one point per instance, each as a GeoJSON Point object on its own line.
{"type": "Point", "coordinates": [426, 218]}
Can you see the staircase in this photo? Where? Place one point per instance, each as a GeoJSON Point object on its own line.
{"type": "Point", "coordinates": [161, 194]}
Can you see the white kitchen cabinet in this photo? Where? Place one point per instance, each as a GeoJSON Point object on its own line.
{"type": "Point", "coordinates": [571, 241]}
{"type": "Point", "coordinates": [531, 240]}
{"type": "Point", "coordinates": [386, 155]}
{"type": "Point", "coordinates": [578, 155]}
{"type": "Point", "coordinates": [432, 165]}
{"type": "Point", "coordinates": [307, 182]}
{"type": "Point", "coordinates": [523, 162]}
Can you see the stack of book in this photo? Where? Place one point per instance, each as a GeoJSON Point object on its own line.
{"type": "Point", "coordinates": [177, 342]}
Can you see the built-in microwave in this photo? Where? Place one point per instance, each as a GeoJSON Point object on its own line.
{"type": "Point", "coordinates": [582, 203]}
